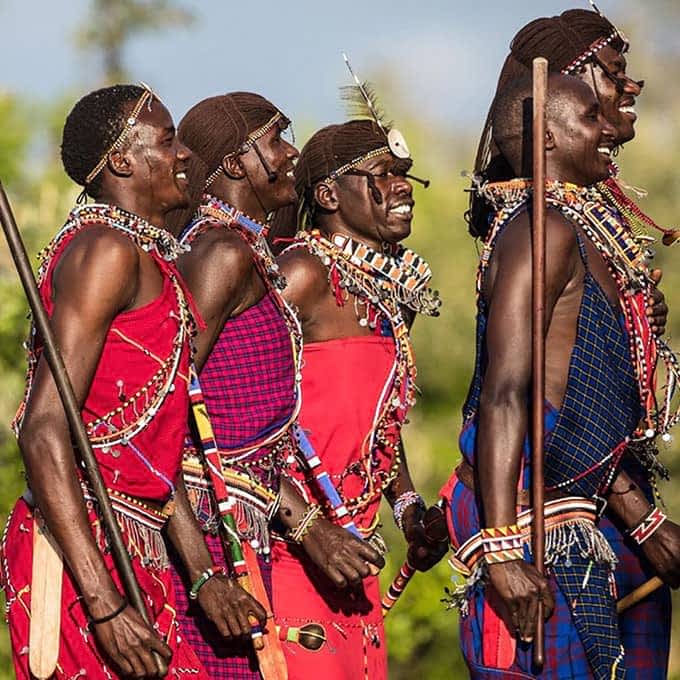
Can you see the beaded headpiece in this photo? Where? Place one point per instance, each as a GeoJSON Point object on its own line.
{"type": "Point", "coordinates": [147, 98]}
{"type": "Point", "coordinates": [249, 143]}
{"type": "Point", "coordinates": [596, 46]}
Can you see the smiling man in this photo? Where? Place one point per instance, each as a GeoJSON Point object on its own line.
{"type": "Point", "coordinates": [120, 317]}
{"type": "Point", "coordinates": [587, 45]}
{"type": "Point", "coordinates": [591, 412]}
{"type": "Point", "coordinates": [357, 290]}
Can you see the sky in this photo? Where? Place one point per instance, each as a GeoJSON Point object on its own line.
{"type": "Point", "coordinates": [442, 56]}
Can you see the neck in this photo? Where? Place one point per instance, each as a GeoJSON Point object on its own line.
{"type": "Point", "coordinates": [139, 205]}
{"type": "Point", "coordinates": [332, 225]}
{"type": "Point", "coordinates": [239, 194]}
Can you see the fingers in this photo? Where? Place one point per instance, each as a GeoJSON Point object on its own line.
{"type": "Point", "coordinates": [370, 554]}
{"type": "Point", "coordinates": [656, 275]}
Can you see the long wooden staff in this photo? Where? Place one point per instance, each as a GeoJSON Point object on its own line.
{"type": "Point", "coordinates": [540, 87]}
{"type": "Point", "coordinates": [63, 383]}
{"type": "Point", "coordinates": [270, 657]}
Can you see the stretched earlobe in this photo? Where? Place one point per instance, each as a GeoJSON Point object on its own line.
{"type": "Point", "coordinates": [549, 140]}
{"type": "Point", "coordinates": [233, 167]}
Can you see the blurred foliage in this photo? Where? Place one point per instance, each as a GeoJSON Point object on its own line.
{"type": "Point", "coordinates": [422, 636]}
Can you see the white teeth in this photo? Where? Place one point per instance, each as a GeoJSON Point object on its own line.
{"type": "Point", "coordinates": [403, 209]}
{"type": "Point", "coordinates": [605, 150]}
{"type": "Point", "coordinates": [181, 175]}
{"type": "Point", "coordinates": [290, 174]}
{"type": "Point", "coordinates": [627, 109]}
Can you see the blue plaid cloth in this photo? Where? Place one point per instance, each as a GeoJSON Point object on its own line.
{"type": "Point", "coordinates": [600, 409]}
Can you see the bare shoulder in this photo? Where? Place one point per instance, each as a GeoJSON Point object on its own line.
{"type": "Point", "coordinates": [306, 275]}
{"type": "Point", "coordinates": [217, 253]}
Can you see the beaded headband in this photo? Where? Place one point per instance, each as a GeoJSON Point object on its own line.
{"type": "Point", "coordinates": [145, 98]}
{"type": "Point", "coordinates": [357, 161]}
{"type": "Point", "coordinates": [247, 145]}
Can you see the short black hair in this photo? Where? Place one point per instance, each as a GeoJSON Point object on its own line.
{"type": "Point", "coordinates": [93, 125]}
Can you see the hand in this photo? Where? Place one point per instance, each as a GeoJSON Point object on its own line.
{"type": "Point", "coordinates": [342, 557]}
{"type": "Point", "coordinates": [520, 587]}
{"type": "Point", "coordinates": [657, 310]}
{"type": "Point", "coordinates": [662, 549]}
{"type": "Point", "coordinates": [228, 606]}
{"type": "Point", "coordinates": [128, 642]}
{"type": "Point", "coordinates": [427, 536]}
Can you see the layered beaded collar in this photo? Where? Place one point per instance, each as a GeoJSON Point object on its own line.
{"type": "Point", "coordinates": [252, 231]}
{"type": "Point", "coordinates": [143, 233]}
{"type": "Point", "coordinates": [398, 271]}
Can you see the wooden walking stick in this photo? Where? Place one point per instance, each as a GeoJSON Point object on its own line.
{"type": "Point", "coordinates": [640, 593]}
{"type": "Point", "coordinates": [63, 383]}
{"type": "Point", "coordinates": [540, 87]}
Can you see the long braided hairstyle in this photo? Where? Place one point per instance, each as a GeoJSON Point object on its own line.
{"type": "Point", "coordinates": [214, 128]}
{"type": "Point", "coordinates": [561, 40]}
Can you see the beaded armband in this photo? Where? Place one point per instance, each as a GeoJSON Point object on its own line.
{"type": "Point", "coordinates": [296, 534]}
{"type": "Point", "coordinates": [647, 525]}
{"type": "Point", "coordinates": [203, 579]}
{"type": "Point", "coordinates": [502, 544]}
{"type": "Point", "coordinates": [404, 501]}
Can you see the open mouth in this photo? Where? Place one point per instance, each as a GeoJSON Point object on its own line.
{"type": "Point", "coordinates": [404, 210]}
{"type": "Point", "coordinates": [605, 151]}
{"type": "Point", "coordinates": [627, 107]}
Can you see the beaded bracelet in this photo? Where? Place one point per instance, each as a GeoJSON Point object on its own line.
{"type": "Point", "coordinates": [297, 533]}
{"type": "Point", "coordinates": [502, 544]}
{"type": "Point", "coordinates": [404, 501]}
{"type": "Point", "coordinates": [651, 521]}
{"type": "Point", "coordinates": [111, 616]}
{"type": "Point", "coordinates": [203, 579]}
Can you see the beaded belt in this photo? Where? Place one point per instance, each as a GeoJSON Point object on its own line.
{"type": "Point", "coordinates": [557, 513]}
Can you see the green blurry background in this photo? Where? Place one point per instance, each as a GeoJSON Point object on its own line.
{"type": "Point", "coordinates": [421, 635]}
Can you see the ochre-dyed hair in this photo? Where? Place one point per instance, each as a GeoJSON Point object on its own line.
{"type": "Point", "coordinates": [560, 39]}
{"type": "Point", "coordinates": [327, 150]}
{"type": "Point", "coordinates": [93, 125]}
{"type": "Point", "coordinates": [214, 128]}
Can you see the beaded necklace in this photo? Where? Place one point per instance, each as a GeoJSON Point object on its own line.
{"type": "Point", "coordinates": [383, 299]}
{"type": "Point", "coordinates": [120, 425]}
{"type": "Point", "coordinates": [627, 257]}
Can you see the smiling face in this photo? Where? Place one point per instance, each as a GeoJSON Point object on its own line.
{"type": "Point", "coordinates": [158, 161]}
{"type": "Point", "coordinates": [615, 90]}
{"type": "Point", "coordinates": [367, 219]}
{"type": "Point", "coordinates": [279, 156]}
{"type": "Point", "coordinates": [579, 138]}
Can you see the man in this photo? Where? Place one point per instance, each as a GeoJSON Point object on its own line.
{"type": "Point", "coordinates": [585, 44]}
{"type": "Point", "coordinates": [356, 290]}
{"type": "Point", "coordinates": [592, 409]}
{"type": "Point", "coordinates": [122, 321]}
{"type": "Point", "coordinates": [249, 354]}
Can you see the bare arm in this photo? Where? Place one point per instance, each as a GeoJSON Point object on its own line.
{"type": "Point", "coordinates": [225, 603]}
{"type": "Point", "coordinates": [503, 410]}
{"type": "Point", "coordinates": [97, 278]}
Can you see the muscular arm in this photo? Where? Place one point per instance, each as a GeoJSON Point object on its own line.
{"type": "Point", "coordinates": [504, 400]}
{"type": "Point", "coordinates": [96, 279]}
{"type": "Point", "coordinates": [220, 275]}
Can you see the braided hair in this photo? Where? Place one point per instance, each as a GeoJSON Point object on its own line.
{"type": "Point", "coordinates": [92, 126]}
{"type": "Point", "coordinates": [561, 40]}
{"type": "Point", "coordinates": [212, 129]}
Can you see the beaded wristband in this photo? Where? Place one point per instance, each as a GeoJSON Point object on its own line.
{"type": "Point", "coordinates": [203, 579]}
{"type": "Point", "coordinates": [647, 525]}
{"type": "Point", "coordinates": [297, 533]}
{"type": "Point", "coordinates": [404, 501]}
{"type": "Point", "coordinates": [112, 615]}
{"type": "Point", "coordinates": [502, 544]}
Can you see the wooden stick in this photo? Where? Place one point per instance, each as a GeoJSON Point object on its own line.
{"type": "Point", "coordinates": [540, 86]}
{"type": "Point", "coordinates": [46, 580]}
{"type": "Point", "coordinates": [640, 593]}
{"type": "Point", "coordinates": [72, 409]}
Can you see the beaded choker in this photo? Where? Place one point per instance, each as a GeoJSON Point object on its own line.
{"type": "Point", "coordinates": [627, 257]}
{"type": "Point", "coordinates": [253, 232]}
